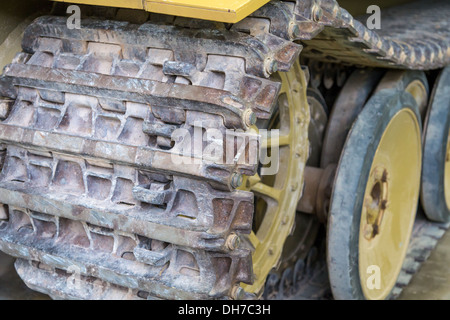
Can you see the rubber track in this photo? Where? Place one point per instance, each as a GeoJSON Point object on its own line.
{"type": "Point", "coordinates": [333, 35]}
{"type": "Point", "coordinates": [99, 192]}
{"type": "Point", "coordinates": [165, 65]}
{"type": "Point", "coordinates": [330, 34]}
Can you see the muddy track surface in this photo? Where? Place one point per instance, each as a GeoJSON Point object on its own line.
{"type": "Point", "coordinates": [88, 181]}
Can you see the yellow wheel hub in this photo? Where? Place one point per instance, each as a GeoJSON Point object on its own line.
{"type": "Point", "coordinates": [388, 213]}
{"type": "Point", "coordinates": [277, 195]}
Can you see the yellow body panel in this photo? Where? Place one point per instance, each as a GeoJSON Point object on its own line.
{"type": "Point", "coordinates": [230, 11]}
{"type": "Point", "coordinates": [131, 4]}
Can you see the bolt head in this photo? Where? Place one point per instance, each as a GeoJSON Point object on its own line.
{"type": "Point", "coordinates": [238, 293]}
{"type": "Point", "coordinates": [368, 231]}
{"type": "Point", "coordinates": [296, 31]}
{"type": "Point", "coordinates": [274, 66]}
{"type": "Point", "coordinates": [236, 180]}
{"type": "Point", "coordinates": [271, 66]}
{"type": "Point", "coordinates": [250, 118]}
{"type": "Point", "coordinates": [233, 241]}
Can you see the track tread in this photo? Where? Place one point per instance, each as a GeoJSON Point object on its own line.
{"type": "Point", "coordinates": [66, 72]}
{"type": "Point", "coordinates": [338, 37]}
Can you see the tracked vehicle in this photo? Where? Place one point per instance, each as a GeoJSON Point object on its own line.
{"type": "Point", "coordinates": [100, 200]}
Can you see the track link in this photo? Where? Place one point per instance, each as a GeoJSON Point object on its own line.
{"type": "Point", "coordinates": [100, 198]}
{"type": "Point", "coordinates": [88, 182]}
{"type": "Point", "coordinates": [333, 35]}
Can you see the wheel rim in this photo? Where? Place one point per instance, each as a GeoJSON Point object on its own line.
{"type": "Point", "coordinates": [447, 173]}
{"type": "Point", "coordinates": [277, 196]}
{"type": "Point", "coordinates": [413, 82]}
{"type": "Point", "coordinates": [374, 186]}
{"type": "Point", "coordinates": [419, 91]}
{"type": "Point", "coordinates": [388, 214]}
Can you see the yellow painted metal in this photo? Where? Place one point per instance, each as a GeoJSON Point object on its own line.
{"type": "Point", "coordinates": [219, 10]}
{"type": "Point", "coordinates": [447, 174]}
{"type": "Point", "coordinates": [418, 90]}
{"type": "Point", "coordinates": [131, 4]}
{"type": "Point", "coordinates": [280, 192]}
{"type": "Point", "coordinates": [388, 212]}
{"type": "Point", "coordinates": [230, 11]}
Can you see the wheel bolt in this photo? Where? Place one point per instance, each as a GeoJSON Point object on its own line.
{"type": "Point", "coordinates": [237, 293]}
{"type": "Point", "coordinates": [274, 66]}
{"type": "Point", "coordinates": [271, 66]}
{"type": "Point", "coordinates": [295, 31]}
{"type": "Point", "coordinates": [249, 118]}
{"type": "Point", "coordinates": [233, 241]}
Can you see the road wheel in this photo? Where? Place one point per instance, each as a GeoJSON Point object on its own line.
{"type": "Point", "coordinates": [349, 103]}
{"type": "Point", "coordinates": [369, 231]}
{"type": "Point", "coordinates": [435, 193]}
